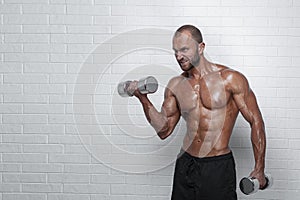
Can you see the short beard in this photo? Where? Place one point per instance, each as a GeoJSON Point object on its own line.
{"type": "Point", "coordinates": [189, 68]}
{"type": "Point", "coordinates": [193, 63]}
{"type": "Point", "coordinates": [196, 59]}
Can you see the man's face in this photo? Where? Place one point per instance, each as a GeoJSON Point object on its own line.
{"type": "Point", "coordinates": [186, 51]}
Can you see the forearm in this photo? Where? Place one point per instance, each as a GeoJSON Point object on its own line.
{"type": "Point", "coordinates": [258, 138]}
{"type": "Point", "coordinates": [158, 120]}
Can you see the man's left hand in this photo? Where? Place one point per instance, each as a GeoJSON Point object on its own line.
{"type": "Point", "coordinates": [260, 176]}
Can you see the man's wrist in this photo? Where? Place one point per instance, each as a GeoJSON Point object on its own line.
{"type": "Point", "coordinates": [259, 168]}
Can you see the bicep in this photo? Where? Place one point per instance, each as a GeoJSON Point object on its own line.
{"type": "Point", "coordinates": [170, 107]}
{"type": "Point", "coordinates": [246, 101]}
{"type": "Point", "coordinates": [247, 105]}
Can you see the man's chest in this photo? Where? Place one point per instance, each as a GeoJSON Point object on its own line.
{"type": "Point", "coordinates": [208, 93]}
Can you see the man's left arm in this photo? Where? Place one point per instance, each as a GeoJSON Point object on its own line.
{"type": "Point", "coordinates": [246, 101]}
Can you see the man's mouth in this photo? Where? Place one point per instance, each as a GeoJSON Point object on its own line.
{"type": "Point", "coordinates": [183, 62]}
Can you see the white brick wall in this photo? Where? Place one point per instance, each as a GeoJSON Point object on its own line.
{"type": "Point", "coordinates": [58, 143]}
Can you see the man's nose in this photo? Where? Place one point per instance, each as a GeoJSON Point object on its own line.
{"type": "Point", "coordinates": [179, 56]}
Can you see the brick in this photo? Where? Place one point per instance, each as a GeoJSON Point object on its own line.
{"type": "Point", "coordinates": [44, 29]}
{"type": "Point", "coordinates": [265, 12]}
{"type": "Point", "coordinates": [69, 178]}
{"type": "Point", "coordinates": [68, 197]}
{"type": "Point", "coordinates": [75, 149]}
{"type": "Point", "coordinates": [10, 167]}
{"type": "Point", "coordinates": [123, 10]}
{"type": "Point", "coordinates": [110, 20]}
{"type": "Point", "coordinates": [10, 29]}
{"type": "Point", "coordinates": [83, 29]}
{"type": "Point", "coordinates": [11, 68]}
{"type": "Point", "coordinates": [10, 89]}
{"type": "Point", "coordinates": [24, 139]}
{"type": "Point", "coordinates": [67, 58]}
{"type": "Point", "coordinates": [26, 57]}
{"type": "Point", "coordinates": [46, 89]}
{"type": "Point", "coordinates": [24, 196]}
{"type": "Point", "coordinates": [39, 48]}
{"type": "Point", "coordinates": [8, 128]}
{"type": "Point", "coordinates": [25, 158]}
{"type": "Point", "coordinates": [68, 158]}
{"type": "Point", "coordinates": [41, 188]}
{"type": "Point", "coordinates": [42, 168]}
{"type": "Point", "coordinates": [127, 189]}
{"type": "Point", "coordinates": [42, 148]}
{"type": "Point", "coordinates": [149, 21]}
{"type": "Point", "coordinates": [26, 38]}
{"type": "Point", "coordinates": [71, 78]}
{"type": "Point", "coordinates": [65, 139]}
{"type": "Point", "coordinates": [25, 119]}
{"type": "Point", "coordinates": [87, 168]}
{"type": "Point", "coordinates": [28, 78]}
{"type": "Point", "coordinates": [61, 119]}
{"type": "Point", "coordinates": [45, 68]}
{"type": "Point", "coordinates": [233, 21]}
{"type": "Point", "coordinates": [87, 189]}
{"type": "Point", "coordinates": [11, 48]}
{"type": "Point", "coordinates": [80, 48]}
{"type": "Point", "coordinates": [10, 148]}
{"type": "Point", "coordinates": [10, 8]}
{"type": "Point", "coordinates": [9, 188]}
{"type": "Point", "coordinates": [24, 178]}
{"type": "Point", "coordinates": [25, 19]}
{"type": "Point", "coordinates": [44, 9]}
{"type": "Point", "coordinates": [88, 10]}
{"type": "Point", "coordinates": [71, 19]}
{"type": "Point", "coordinates": [60, 99]}
{"type": "Point", "coordinates": [107, 179]}
{"type": "Point", "coordinates": [150, 10]}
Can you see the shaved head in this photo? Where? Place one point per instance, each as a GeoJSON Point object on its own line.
{"type": "Point", "coordinates": [194, 31]}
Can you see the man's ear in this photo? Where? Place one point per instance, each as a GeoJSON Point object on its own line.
{"type": "Point", "coordinates": [201, 48]}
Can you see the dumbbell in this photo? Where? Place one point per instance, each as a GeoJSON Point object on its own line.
{"type": "Point", "coordinates": [250, 185]}
{"type": "Point", "coordinates": [145, 86]}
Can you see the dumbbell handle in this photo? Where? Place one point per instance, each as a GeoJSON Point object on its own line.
{"type": "Point", "coordinates": [250, 185]}
{"type": "Point", "coordinates": [145, 86]}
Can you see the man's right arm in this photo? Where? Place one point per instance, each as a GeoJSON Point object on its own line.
{"type": "Point", "coordinates": [164, 121]}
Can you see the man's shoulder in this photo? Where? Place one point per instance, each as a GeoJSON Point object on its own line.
{"type": "Point", "coordinates": [234, 80]}
{"type": "Point", "coordinates": [230, 74]}
{"type": "Point", "coordinates": [176, 79]}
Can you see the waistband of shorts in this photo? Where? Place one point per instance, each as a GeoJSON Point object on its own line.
{"type": "Point", "coordinates": [206, 159]}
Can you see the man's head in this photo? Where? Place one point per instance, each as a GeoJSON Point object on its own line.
{"type": "Point", "coordinates": [194, 31]}
{"type": "Point", "coordinates": [188, 46]}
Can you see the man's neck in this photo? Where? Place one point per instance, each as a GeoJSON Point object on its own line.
{"type": "Point", "coordinates": [204, 67]}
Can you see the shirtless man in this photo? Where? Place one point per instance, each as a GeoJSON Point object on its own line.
{"type": "Point", "coordinates": [209, 97]}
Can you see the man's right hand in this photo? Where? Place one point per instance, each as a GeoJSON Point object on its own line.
{"type": "Point", "coordinates": [133, 89]}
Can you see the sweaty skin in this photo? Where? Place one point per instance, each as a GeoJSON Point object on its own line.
{"type": "Point", "coordinates": [208, 97]}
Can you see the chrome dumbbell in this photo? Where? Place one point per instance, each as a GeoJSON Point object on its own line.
{"type": "Point", "coordinates": [145, 86]}
{"type": "Point", "coordinates": [250, 185]}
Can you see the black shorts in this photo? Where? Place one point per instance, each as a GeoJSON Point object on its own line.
{"type": "Point", "coordinates": [209, 178]}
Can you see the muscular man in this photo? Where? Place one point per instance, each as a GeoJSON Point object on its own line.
{"type": "Point", "coordinates": [209, 97]}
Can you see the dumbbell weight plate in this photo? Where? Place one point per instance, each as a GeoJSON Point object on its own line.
{"type": "Point", "coordinates": [147, 85]}
{"type": "Point", "coordinates": [122, 89]}
{"type": "Point", "coordinates": [248, 185]}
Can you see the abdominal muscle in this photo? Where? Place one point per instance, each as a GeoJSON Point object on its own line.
{"type": "Point", "coordinates": [204, 147]}
{"type": "Point", "coordinates": [208, 131]}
